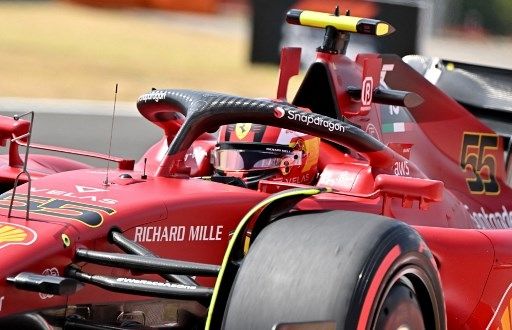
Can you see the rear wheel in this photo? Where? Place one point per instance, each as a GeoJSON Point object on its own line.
{"type": "Point", "coordinates": [343, 270]}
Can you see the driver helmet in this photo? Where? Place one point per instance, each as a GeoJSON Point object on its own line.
{"type": "Point", "coordinates": [253, 152]}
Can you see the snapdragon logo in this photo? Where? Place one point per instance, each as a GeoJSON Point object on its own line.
{"type": "Point", "coordinates": [154, 95]}
{"type": "Point", "coordinates": [279, 112]}
{"type": "Point", "coordinates": [495, 220]}
{"type": "Point", "coordinates": [311, 119]}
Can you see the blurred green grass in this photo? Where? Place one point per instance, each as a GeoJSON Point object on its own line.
{"type": "Point", "coordinates": [57, 50]}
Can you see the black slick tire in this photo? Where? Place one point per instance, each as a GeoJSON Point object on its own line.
{"type": "Point", "coordinates": [338, 270]}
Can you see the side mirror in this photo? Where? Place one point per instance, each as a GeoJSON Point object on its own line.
{"type": "Point", "coordinates": [408, 189]}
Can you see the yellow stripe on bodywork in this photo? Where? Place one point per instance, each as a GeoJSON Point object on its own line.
{"type": "Point", "coordinates": [240, 228]}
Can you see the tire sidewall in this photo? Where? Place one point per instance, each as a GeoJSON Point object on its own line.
{"type": "Point", "coordinates": [403, 253]}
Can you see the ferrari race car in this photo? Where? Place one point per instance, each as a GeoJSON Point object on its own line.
{"type": "Point", "coordinates": [406, 225]}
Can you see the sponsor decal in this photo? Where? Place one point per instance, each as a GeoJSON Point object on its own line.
{"type": "Point", "coordinates": [156, 283]}
{"type": "Point", "coordinates": [89, 215]}
{"type": "Point", "coordinates": [338, 179]}
{"type": "Point", "coordinates": [197, 154]}
{"type": "Point", "coordinates": [399, 127]}
{"type": "Point", "coordinates": [372, 130]}
{"type": "Point", "coordinates": [242, 129]}
{"type": "Point", "coordinates": [244, 132]}
{"type": "Point", "coordinates": [178, 233]}
{"type": "Point", "coordinates": [478, 162]}
{"type": "Point", "coordinates": [312, 151]}
{"type": "Point", "coordinates": [385, 69]}
{"type": "Point", "coordinates": [279, 112]}
{"type": "Point", "coordinates": [80, 189]}
{"type": "Point", "coordinates": [49, 272]}
{"type": "Point", "coordinates": [403, 149]}
{"type": "Point", "coordinates": [366, 93]}
{"type": "Point", "coordinates": [2, 298]}
{"type": "Point", "coordinates": [316, 120]}
{"type": "Point", "coordinates": [401, 168]}
{"type": "Point", "coordinates": [153, 96]}
{"type": "Point", "coordinates": [396, 119]}
{"type": "Point", "coordinates": [492, 220]}
{"type": "Point", "coordinates": [502, 318]}
{"type": "Point", "coordinates": [298, 179]}
{"type": "Point", "coordinates": [289, 137]}
{"type": "Point", "coordinates": [205, 233]}
{"type": "Point", "coordinates": [272, 149]}
{"type": "Point", "coordinates": [83, 189]}
{"type": "Point", "coordinates": [13, 234]}
{"type": "Point", "coordinates": [394, 110]}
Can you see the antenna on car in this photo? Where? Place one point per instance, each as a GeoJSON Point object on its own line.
{"type": "Point", "coordinates": [25, 163]}
{"type": "Point", "coordinates": [106, 183]}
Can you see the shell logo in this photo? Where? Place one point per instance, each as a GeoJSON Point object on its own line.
{"type": "Point", "coordinates": [13, 234]}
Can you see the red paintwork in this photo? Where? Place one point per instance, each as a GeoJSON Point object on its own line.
{"type": "Point", "coordinates": [154, 202]}
{"type": "Point", "coordinates": [290, 56]}
{"type": "Point", "coordinates": [475, 264]}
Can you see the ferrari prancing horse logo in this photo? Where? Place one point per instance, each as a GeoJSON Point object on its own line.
{"type": "Point", "coordinates": [242, 129]}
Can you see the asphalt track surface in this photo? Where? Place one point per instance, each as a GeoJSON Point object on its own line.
{"type": "Point", "coordinates": [86, 125]}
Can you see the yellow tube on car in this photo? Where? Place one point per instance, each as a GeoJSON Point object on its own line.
{"type": "Point", "coordinates": [342, 23]}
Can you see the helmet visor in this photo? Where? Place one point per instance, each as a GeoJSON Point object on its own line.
{"type": "Point", "coordinates": [254, 157]}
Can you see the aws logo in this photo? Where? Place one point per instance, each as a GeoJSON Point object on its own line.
{"type": "Point", "coordinates": [13, 234]}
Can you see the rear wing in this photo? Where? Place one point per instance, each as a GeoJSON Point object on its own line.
{"type": "Point", "coordinates": [489, 88]}
{"type": "Point", "coordinates": [484, 91]}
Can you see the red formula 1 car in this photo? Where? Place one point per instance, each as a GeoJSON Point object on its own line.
{"type": "Point", "coordinates": [406, 225]}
